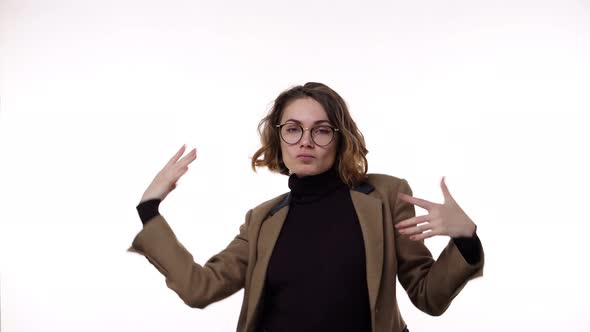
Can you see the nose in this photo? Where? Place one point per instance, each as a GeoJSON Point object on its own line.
{"type": "Point", "coordinates": [306, 139]}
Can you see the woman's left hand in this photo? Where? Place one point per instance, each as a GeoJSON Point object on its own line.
{"type": "Point", "coordinates": [442, 219]}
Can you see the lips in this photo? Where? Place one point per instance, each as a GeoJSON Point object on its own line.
{"type": "Point", "coordinates": [305, 156]}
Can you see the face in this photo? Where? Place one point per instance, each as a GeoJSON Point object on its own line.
{"type": "Point", "coordinates": [305, 157]}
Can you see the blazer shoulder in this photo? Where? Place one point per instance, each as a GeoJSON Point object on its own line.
{"type": "Point", "coordinates": [265, 208]}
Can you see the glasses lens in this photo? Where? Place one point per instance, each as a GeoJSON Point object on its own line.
{"type": "Point", "coordinates": [322, 135]}
{"type": "Point", "coordinates": [291, 133]}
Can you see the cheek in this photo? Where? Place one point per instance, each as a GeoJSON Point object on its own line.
{"type": "Point", "coordinates": [329, 156]}
{"type": "Point", "coordinates": [333, 150]}
{"type": "Point", "coordinates": [285, 156]}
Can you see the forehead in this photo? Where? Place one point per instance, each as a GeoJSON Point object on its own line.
{"type": "Point", "coordinates": [304, 110]}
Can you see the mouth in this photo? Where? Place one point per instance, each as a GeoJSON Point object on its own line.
{"type": "Point", "coordinates": [305, 156]}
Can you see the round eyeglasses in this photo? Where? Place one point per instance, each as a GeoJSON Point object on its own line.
{"type": "Point", "coordinates": [292, 133]}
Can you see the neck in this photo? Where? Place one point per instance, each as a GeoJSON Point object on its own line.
{"type": "Point", "coordinates": [312, 187]}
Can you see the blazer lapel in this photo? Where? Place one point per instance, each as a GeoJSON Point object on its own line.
{"type": "Point", "coordinates": [267, 237]}
{"type": "Point", "coordinates": [369, 212]}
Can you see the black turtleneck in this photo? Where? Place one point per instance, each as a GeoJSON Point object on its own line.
{"type": "Point", "coordinates": [316, 277]}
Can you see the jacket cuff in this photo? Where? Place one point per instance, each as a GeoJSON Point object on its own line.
{"type": "Point", "coordinates": [469, 247]}
{"type": "Point", "coordinates": [148, 209]}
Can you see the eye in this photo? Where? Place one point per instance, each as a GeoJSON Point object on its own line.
{"type": "Point", "coordinates": [323, 130]}
{"type": "Point", "coordinates": [292, 129]}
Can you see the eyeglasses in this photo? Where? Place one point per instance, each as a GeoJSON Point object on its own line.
{"type": "Point", "coordinates": [292, 133]}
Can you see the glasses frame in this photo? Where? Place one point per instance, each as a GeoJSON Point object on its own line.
{"type": "Point", "coordinates": [280, 127]}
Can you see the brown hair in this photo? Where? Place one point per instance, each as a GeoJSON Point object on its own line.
{"type": "Point", "coordinates": [351, 161]}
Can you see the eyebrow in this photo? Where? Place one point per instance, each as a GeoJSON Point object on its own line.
{"type": "Point", "coordinates": [315, 122]}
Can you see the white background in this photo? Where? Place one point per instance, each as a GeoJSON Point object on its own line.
{"type": "Point", "coordinates": [97, 95]}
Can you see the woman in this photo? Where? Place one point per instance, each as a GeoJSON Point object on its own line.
{"type": "Point", "coordinates": [324, 256]}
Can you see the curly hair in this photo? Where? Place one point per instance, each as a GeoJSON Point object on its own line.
{"type": "Point", "coordinates": [351, 161]}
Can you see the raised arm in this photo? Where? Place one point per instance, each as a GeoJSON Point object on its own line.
{"type": "Point", "coordinates": [197, 285]}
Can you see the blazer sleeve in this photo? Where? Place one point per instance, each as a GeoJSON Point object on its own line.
{"type": "Point", "coordinates": [431, 285]}
{"type": "Point", "coordinates": [197, 285]}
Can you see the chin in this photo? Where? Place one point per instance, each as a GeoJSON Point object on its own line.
{"type": "Point", "coordinates": [302, 174]}
{"type": "Point", "coordinates": [308, 170]}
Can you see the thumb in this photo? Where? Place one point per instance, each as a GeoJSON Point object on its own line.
{"type": "Point", "coordinates": [445, 190]}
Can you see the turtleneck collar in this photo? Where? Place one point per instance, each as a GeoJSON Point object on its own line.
{"type": "Point", "coordinates": [313, 187]}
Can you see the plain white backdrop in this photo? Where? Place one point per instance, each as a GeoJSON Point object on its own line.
{"type": "Point", "coordinates": [95, 96]}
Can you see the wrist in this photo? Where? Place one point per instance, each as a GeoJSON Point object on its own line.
{"type": "Point", "coordinates": [471, 230]}
{"type": "Point", "coordinates": [467, 232]}
{"type": "Point", "coordinates": [149, 198]}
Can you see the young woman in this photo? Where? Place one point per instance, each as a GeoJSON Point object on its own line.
{"type": "Point", "coordinates": [325, 255]}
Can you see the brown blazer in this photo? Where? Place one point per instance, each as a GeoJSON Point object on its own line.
{"type": "Point", "coordinates": [431, 285]}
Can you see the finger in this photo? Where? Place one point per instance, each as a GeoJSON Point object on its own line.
{"type": "Point", "coordinates": [412, 221]}
{"type": "Point", "coordinates": [416, 230]}
{"type": "Point", "coordinates": [423, 236]}
{"type": "Point", "coordinates": [445, 190]}
{"type": "Point", "coordinates": [180, 173]}
{"type": "Point", "coordinates": [416, 201]}
{"type": "Point", "coordinates": [189, 158]}
{"type": "Point", "coordinates": [176, 155]}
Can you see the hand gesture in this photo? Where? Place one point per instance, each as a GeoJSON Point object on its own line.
{"type": "Point", "coordinates": [442, 219]}
{"type": "Point", "coordinates": [165, 180]}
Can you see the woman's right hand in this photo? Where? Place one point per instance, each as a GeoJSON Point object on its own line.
{"type": "Point", "coordinates": [165, 180]}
